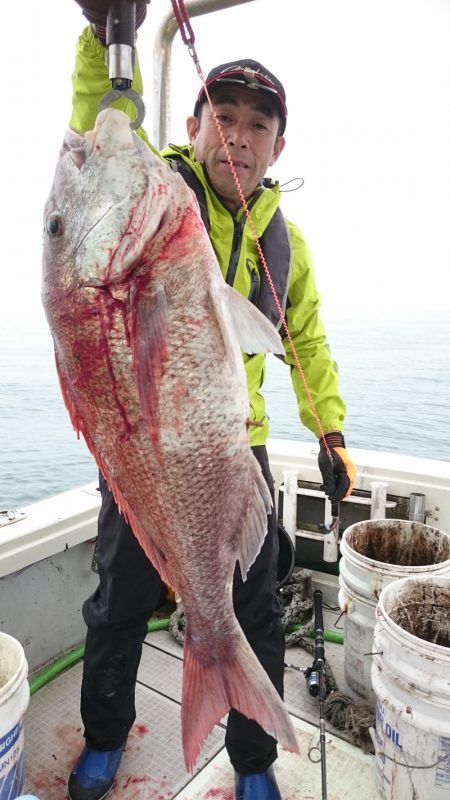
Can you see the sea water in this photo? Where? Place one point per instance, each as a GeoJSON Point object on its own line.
{"type": "Point", "coordinates": [394, 376]}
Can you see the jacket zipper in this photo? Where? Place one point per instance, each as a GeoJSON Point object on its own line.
{"type": "Point", "coordinates": [235, 250]}
{"type": "Point", "coordinates": [254, 281]}
{"type": "Point", "coordinates": [237, 241]}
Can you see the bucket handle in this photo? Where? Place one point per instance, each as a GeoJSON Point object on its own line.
{"type": "Point", "coordinates": [382, 754]}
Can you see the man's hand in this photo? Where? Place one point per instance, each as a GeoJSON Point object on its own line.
{"type": "Point", "coordinates": [337, 468]}
{"type": "Point", "coordinates": [96, 12]}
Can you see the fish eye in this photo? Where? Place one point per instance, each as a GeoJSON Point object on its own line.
{"type": "Point", "coordinates": [55, 225]}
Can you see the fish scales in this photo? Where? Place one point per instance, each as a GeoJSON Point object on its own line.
{"type": "Point", "coordinates": [148, 342]}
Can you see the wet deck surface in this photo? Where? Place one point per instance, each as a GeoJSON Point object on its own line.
{"type": "Point", "coordinates": [152, 767]}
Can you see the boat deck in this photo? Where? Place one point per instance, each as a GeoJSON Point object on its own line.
{"type": "Point", "coordinates": [152, 766]}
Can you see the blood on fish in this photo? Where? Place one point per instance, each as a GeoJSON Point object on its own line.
{"type": "Point", "coordinates": [179, 244]}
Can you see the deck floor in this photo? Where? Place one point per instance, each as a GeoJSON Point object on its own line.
{"type": "Point", "coordinates": [152, 767]}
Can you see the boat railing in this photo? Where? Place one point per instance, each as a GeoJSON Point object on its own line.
{"type": "Point", "coordinates": [162, 63]}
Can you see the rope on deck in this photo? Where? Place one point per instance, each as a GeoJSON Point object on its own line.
{"type": "Point", "coordinates": [177, 623]}
{"type": "Point", "coordinates": [340, 709]}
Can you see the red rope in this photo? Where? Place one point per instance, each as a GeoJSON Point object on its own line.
{"type": "Point", "coordinates": [183, 22]}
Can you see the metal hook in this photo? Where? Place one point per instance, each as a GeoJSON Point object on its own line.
{"type": "Point", "coordinates": [130, 94]}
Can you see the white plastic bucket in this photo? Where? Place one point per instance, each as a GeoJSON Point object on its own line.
{"type": "Point", "coordinates": [14, 699]}
{"type": "Point", "coordinates": [411, 679]}
{"type": "Point", "coordinates": [375, 553]}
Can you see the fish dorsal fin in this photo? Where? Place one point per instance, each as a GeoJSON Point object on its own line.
{"type": "Point", "coordinates": [254, 524]}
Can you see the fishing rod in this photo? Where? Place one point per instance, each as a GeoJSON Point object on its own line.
{"type": "Point", "coordinates": [316, 683]}
{"type": "Point", "coordinates": [319, 683]}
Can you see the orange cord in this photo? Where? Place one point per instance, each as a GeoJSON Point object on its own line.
{"type": "Point", "coordinates": [188, 37]}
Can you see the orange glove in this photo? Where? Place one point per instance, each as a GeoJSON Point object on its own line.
{"type": "Point", "coordinates": [337, 468]}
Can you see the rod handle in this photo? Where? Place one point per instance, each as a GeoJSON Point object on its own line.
{"type": "Point", "coordinates": [319, 644]}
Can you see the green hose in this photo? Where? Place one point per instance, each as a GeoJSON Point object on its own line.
{"type": "Point", "coordinates": [329, 636]}
{"type": "Point", "coordinates": [74, 656]}
{"type": "Point", "coordinates": [158, 625]}
{"type": "Point", "coordinates": [55, 668]}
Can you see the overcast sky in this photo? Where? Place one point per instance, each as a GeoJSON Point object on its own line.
{"type": "Point", "coordinates": [368, 88]}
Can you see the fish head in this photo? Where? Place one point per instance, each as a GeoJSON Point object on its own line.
{"type": "Point", "coordinates": [106, 203]}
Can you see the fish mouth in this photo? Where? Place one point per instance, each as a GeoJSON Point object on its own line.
{"type": "Point", "coordinates": [75, 146]}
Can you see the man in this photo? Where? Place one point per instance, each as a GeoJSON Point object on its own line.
{"type": "Point", "coordinates": [250, 104]}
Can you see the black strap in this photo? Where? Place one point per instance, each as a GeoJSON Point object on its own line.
{"type": "Point", "coordinates": [276, 246]}
{"type": "Point", "coordinates": [275, 243]}
{"type": "Point", "coordinates": [189, 177]}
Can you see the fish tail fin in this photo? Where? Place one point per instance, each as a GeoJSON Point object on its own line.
{"type": "Point", "coordinates": [212, 686]}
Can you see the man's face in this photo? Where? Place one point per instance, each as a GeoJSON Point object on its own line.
{"type": "Point", "coordinates": [250, 127]}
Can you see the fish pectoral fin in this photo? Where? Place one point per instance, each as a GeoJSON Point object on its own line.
{"type": "Point", "coordinates": [218, 297]}
{"type": "Point", "coordinates": [254, 332]}
{"type": "Point", "coordinates": [150, 350]}
{"type": "Point", "coordinates": [254, 524]}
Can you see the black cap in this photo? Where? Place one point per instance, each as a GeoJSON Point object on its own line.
{"type": "Point", "coordinates": [252, 74]}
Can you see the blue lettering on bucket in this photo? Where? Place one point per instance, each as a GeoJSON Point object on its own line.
{"type": "Point", "coordinates": [11, 783]}
{"type": "Point", "coordinates": [8, 740]}
{"type": "Point", "coordinates": [379, 713]}
{"type": "Point", "coordinates": [386, 727]}
{"type": "Point", "coordinates": [443, 770]}
{"type": "Point", "coordinates": [392, 734]}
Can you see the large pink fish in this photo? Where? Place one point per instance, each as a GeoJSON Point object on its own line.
{"type": "Point", "coordinates": [148, 341]}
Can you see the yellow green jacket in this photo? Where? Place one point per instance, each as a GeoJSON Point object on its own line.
{"type": "Point", "coordinates": [90, 82]}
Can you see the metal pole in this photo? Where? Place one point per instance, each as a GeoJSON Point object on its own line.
{"type": "Point", "coordinates": [161, 63]}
